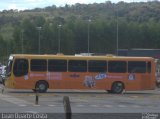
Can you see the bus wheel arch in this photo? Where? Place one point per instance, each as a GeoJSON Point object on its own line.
{"type": "Point", "coordinates": [117, 87]}
{"type": "Point", "coordinates": [41, 86]}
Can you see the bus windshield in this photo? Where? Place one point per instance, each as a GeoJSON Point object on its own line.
{"type": "Point", "coordinates": [9, 66]}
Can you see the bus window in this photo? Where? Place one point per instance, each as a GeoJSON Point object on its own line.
{"type": "Point", "coordinates": [38, 65]}
{"type": "Point", "coordinates": [117, 66]}
{"type": "Point", "coordinates": [20, 67]}
{"type": "Point", "coordinates": [77, 65]}
{"type": "Point", "coordinates": [136, 66]}
{"type": "Point", "coordinates": [97, 66]}
{"type": "Point", "coordinates": [57, 65]}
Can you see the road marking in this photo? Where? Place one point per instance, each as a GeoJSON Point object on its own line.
{"type": "Point", "coordinates": [36, 105]}
{"type": "Point", "coordinates": [22, 105]}
{"type": "Point", "coordinates": [34, 112]}
{"type": "Point", "coordinates": [136, 106]}
{"type": "Point", "coordinates": [134, 96]}
{"type": "Point", "coordinates": [94, 105]}
{"type": "Point", "coordinates": [150, 106]}
{"type": "Point", "coordinates": [122, 106]}
{"type": "Point", "coordinates": [51, 105]}
{"type": "Point", "coordinates": [108, 106]}
{"type": "Point", "coordinates": [80, 105]}
{"type": "Point", "coordinates": [81, 100]}
{"type": "Point", "coordinates": [13, 100]}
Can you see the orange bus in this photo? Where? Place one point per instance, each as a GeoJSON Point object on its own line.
{"type": "Point", "coordinates": [111, 73]}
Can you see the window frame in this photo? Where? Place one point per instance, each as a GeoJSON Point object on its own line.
{"type": "Point", "coordinates": [111, 69]}
{"type": "Point", "coordinates": [43, 67]}
{"type": "Point", "coordinates": [137, 68]}
{"type": "Point", "coordinates": [50, 69]}
{"type": "Point", "coordinates": [80, 68]}
{"type": "Point", "coordinates": [95, 63]}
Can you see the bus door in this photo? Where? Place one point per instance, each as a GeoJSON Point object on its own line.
{"type": "Point", "coordinates": [20, 71]}
{"type": "Point", "coordinates": [147, 77]}
{"type": "Point", "coordinates": [140, 74]}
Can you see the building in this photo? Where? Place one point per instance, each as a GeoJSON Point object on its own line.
{"type": "Point", "coordinates": [155, 53]}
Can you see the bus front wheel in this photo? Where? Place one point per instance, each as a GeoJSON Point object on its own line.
{"type": "Point", "coordinates": [117, 87]}
{"type": "Point", "coordinates": [41, 86]}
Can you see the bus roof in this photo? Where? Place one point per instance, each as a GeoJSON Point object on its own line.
{"type": "Point", "coordinates": [49, 56]}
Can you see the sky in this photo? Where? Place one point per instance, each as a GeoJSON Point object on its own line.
{"type": "Point", "coordinates": [31, 4]}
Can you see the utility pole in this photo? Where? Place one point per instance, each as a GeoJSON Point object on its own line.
{"type": "Point", "coordinates": [39, 39]}
{"type": "Point", "coordinates": [59, 38]}
{"type": "Point", "coordinates": [22, 40]}
{"type": "Point", "coordinates": [89, 21]}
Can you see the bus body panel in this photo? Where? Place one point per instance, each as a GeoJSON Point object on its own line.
{"type": "Point", "coordinates": [83, 80]}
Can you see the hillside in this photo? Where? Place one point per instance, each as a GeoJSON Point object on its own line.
{"type": "Point", "coordinates": [137, 23]}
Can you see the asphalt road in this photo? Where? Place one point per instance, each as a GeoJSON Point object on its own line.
{"type": "Point", "coordinates": [84, 104]}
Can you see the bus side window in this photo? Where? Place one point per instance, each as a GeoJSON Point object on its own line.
{"type": "Point", "coordinates": [38, 65]}
{"type": "Point", "coordinates": [20, 67]}
{"type": "Point", "coordinates": [57, 65]}
{"type": "Point", "coordinates": [97, 66]}
{"type": "Point", "coordinates": [136, 66]}
{"type": "Point", "coordinates": [117, 66]}
{"type": "Point", "coordinates": [77, 66]}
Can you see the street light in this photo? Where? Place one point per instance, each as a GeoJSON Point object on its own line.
{"type": "Point", "coordinates": [117, 33]}
{"type": "Point", "coordinates": [59, 38]}
{"type": "Point", "coordinates": [22, 39]}
{"type": "Point", "coordinates": [117, 38]}
{"type": "Point", "coordinates": [89, 20]}
{"type": "Point", "coordinates": [39, 39]}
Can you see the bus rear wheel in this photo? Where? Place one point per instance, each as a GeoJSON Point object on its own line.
{"type": "Point", "coordinates": [109, 91]}
{"type": "Point", "coordinates": [41, 86]}
{"type": "Point", "coordinates": [117, 87]}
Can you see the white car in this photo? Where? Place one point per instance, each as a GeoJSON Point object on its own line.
{"type": "Point", "coordinates": [1, 70]}
{"type": "Point", "coordinates": [2, 73]}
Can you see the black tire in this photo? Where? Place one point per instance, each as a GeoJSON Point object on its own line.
{"type": "Point", "coordinates": [67, 107]}
{"type": "Point", "coordinates": [117, 87]}
{"type": "Point", "coordinates": [41, 86]}
{"type": "Point", "coordinates": [3, 82]}
{"type": "Point", "coordinates": [158, 85]}
{"type": "Point", "coordinates": [109, 91]}
{"type": "Point", "coordinates": [34, 90]}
